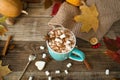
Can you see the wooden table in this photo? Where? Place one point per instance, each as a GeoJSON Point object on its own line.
{"type": "Point", "coordinates": [29, 32]}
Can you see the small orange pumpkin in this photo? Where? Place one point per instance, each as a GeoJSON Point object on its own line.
{"type": "Point", "coordinates": [74, 2]}
{"type": "Point", "coordinates": [10, 8]}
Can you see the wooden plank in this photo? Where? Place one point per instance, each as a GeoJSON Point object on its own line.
{"type": "Point", "coordinates": [17, 59]}
{"type": "Point", "coordinates": [39, 12]}
{"type": "Point", "coordinates": [31, 29]}
{"type": "Point", "coordinates": [72, 76]}
{"type": "Point", "coordinates": [97, 60]}
{"type": "Point", "coordinates": [32, 20]}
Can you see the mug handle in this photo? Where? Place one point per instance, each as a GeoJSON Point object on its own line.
{"type": "Point", "coordinates": [77, 55]}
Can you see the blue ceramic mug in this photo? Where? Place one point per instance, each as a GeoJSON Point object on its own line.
{"type": "Point", "coordinates": [74, 53]}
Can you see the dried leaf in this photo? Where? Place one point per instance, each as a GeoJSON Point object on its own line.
{"type": "Point", "coordinates": [1, 78]}
{"type": "Point", "coordinates": [3, 19]}
{"type": "Point", "coordinates": [118, 51]}
{"type": "Point", "coordinates": [113, 47]}
{"type": "Point", "coordinates": [115, 56]}
{"type": "Point", "coordinates": [55, 8]}
{"type": "Point", "coordinates": [88, 18]}
{"type": "Point", "coordinates": [111, 44]}
{"type": "Point", "coordinates": [3, 30]}
{"type": "Point", "coordinates": [4, 70]}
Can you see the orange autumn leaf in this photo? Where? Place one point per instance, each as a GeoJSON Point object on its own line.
{"type": "Point", "coordinates": [4, 70]}
{"type": "Point", "coordinates": [88, 18]}
{"type": "Point", "coordinates": [3, 30]}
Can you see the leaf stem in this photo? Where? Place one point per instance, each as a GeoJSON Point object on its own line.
{"type": "Point", "coordinates": [3, 19]}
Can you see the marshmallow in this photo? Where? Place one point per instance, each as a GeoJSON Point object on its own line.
{"type": "Point", "coordinates": [58, 44]}
{"type": "Point", "coordinates": [68, 42]}
{"type": "Point", "coordinates": [62, 36]}
{"type": "Point", "coordinates": [47, 73]}
{"type": "Point", "coordinates": [50, 43]}
{"type": "Point", "coordinates": [51, 32]}
{"type": "Point", "coordinates": [68, 47]}
{"type": "Point", "coordinates": [49, 78]}
{"type": "Point", "coordinates": [57, 71]}
{"type": "Point", "coordinates": [58, 32]}
{"type": "Point", "coordinates": [66, 71]}
{"type": "Point", "coordinates": [51, 36]}
{"type": "Point", "coordinates": [58, 40]}
{"type": "Point", "coordinates": [42, 47]}
{"type": "Point", "coordinates": [107, 71]}
{"type": "Point", "coordinates": [69, 65]}
{"type": "Point", "coordinates": [30, 78]}
{"type": "Point", "coordinates": [62, 31]}
{"type": "Point", "coordinates": [44, 55]}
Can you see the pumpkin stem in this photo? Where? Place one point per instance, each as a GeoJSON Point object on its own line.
{"type": "Point", "coordinates": [3, 19]}
{"type": "Point", "coordinates": [83, 2]}
{"type": "Point", "coordinates": [25, 12]}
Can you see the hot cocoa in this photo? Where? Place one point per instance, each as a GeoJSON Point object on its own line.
{"type": "Point", "coordinates": [61, 40]}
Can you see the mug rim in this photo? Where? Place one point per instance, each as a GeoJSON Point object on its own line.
{"type": "Point", "coordinates": [71, 48]}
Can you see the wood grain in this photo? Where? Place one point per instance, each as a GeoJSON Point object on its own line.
{"type": "Point", "coordinates": [30, 30]}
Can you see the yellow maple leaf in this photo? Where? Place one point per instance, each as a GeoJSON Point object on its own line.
{"type": "Point", "coordinates": [4, 70]}
{"type": "Point", "coordinates": [88, 18]}
{"type": "Point", "coordinates": [3, 30]}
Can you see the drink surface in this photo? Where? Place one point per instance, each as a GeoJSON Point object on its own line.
{"type": "Point", "coordinates": [61, 40]}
